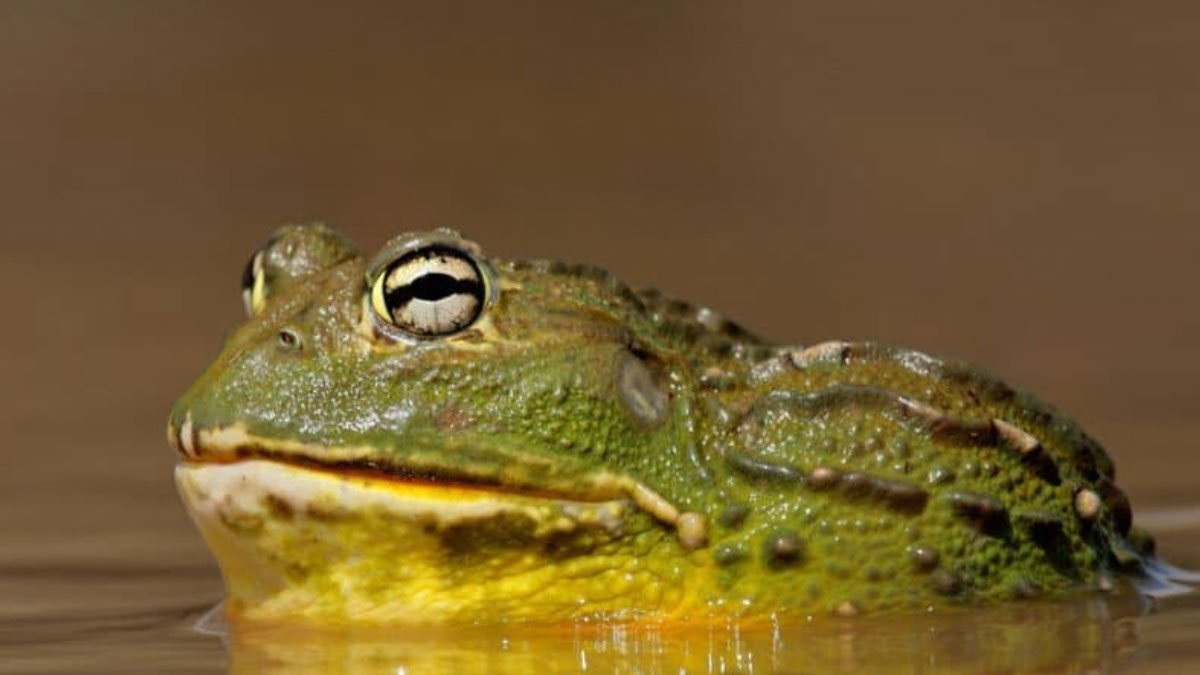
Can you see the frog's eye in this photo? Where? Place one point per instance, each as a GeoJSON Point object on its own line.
{"type": "Point", "coordinates": [293, 254]}
{"type": "Point", "coordinates": [432, 291]}
{"type": "Point", "coordinates": [254, 283]}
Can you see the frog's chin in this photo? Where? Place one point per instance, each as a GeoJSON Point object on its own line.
{"type": "Point", "coordinates": [288, 536]}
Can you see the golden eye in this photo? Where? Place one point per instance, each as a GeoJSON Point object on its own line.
{"type": "Point", "coordinates": [254, 286]}
{"type": "Point", "coordinates": [432, 291]}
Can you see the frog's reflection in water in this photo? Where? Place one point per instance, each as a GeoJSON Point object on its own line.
{"type": "Point", "coordinates": [1089, 634]}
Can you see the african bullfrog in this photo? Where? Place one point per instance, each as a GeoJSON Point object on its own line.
{"type": "Point", "coordinates": [433, 435]}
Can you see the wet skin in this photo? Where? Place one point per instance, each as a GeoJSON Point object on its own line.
{"type": "Point", "coordinates": [432, 435]}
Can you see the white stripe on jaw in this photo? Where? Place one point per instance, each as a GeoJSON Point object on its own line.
{"type": "Point", "coordinates": [246, 488]}
{"type": "Point", "coordinates": [187, 440]}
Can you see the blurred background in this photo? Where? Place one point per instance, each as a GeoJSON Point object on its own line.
{"type": "Point", "coordinates": [1007, 182]}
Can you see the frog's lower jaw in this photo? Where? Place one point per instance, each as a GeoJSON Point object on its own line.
{"type": "Point", "coordinates": [296, 543]}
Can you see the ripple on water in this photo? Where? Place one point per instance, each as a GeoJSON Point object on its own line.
{"type": "Point", "coordinates": [1090, 634]}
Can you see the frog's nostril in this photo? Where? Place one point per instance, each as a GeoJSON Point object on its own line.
{"type": "Point", "coordinates": [289, 339]}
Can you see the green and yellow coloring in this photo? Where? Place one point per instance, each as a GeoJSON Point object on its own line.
{"type": "Point", "coordinates": [432, 435]}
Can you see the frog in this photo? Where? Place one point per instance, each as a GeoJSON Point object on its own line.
{"type": "Point", "coordinates": [434, 436]}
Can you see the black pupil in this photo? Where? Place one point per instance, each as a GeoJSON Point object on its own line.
{"type": "Point", "coordinates": [436, 286]}
{"type": "Point", "coordinates": [432, 287]}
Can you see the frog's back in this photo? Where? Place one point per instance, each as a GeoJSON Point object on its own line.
{"type": "Point", "coordinates": [882, 477]}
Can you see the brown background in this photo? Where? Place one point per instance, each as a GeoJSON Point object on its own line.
{"type": "Point", "coordinates": [1010, 182]}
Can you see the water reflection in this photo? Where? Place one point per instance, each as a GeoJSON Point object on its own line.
{"type": "Point", "coordinates": [1085, 635]}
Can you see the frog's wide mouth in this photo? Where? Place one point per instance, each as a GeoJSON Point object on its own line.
{"type": "Point", "coordinates": [253, 489]}
{"type": "Point", "coordinates": [221, 452]}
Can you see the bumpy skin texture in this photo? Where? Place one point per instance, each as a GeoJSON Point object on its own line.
{"type": "Point", "coordinates": [738, 477]}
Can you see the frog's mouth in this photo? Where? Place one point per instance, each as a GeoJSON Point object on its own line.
{"type": "Point", "coordinates": [231, 465]}
{"type": "Point", "coordinates": [237, 496]}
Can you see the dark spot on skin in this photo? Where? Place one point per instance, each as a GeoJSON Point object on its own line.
{"type": "Point", "coordinates": [895, 494]}
{"type": "Point", "coordinates": [733, 516]}
{"type": "Point", "coordinates": [1045, 528]}
{"type": "Point", "coordinates": [967, 433]}
{"type": "Point", "coordinates": [1041, 464]}
{"type": "Point", "coordinates": [1118, 505]}
{"type": "Point", "coordinates": [755, 467]}
{"type": "Point", "coordinates": [279, 507]}
{"type": "Point", "coordinates": [783, 549]}
{"type": "Point", "coordinates": [986, 514]}
{"type": "Point", "coordinates": [924, 558]}
{"type": "Point", "coordinates": [945, 582]}
{"type": "Point", "coordinates": [507, 532]}
{"type": "Point", "coordinates": [728, 554]}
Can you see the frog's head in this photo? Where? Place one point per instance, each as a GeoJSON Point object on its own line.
{"type": "Point", "coordinates": [397, 417]}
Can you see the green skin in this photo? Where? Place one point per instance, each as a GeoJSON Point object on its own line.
{"type": "Point", "coordinates": [843, 478]}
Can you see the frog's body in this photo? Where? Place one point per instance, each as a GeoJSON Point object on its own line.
{"type": "Point", "coordinates": [550, 444]}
